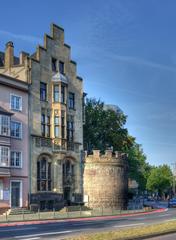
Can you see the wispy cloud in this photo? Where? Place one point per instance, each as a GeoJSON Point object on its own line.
{"type": "Point", "coordinates": [96, 55]}
{"type": "Point", "coordinates": [141, 61]}
{"type": "Point", "coordinates": [123, 90]}
{"type": "Point", "coordinates": [26, 38]}
{"type": "Point", "coordinates": [167, 144]}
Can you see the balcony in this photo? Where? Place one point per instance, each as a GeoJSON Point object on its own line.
{"type": "Point", "coordinates": [58, 77]}
{"type": "Point", "coordinates": [4, 168]}
{"type": "Point", "coordinates": [4, 171]}
{"type": "Point", "coordinates": [59, 144]}
{"type": "Point", "coordinates": [71, 146]}
{"type": "Point", "coordinates": [43, 142]}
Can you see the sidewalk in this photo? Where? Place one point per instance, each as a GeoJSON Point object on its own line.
{"type": "Point", "coordinates": [92, 218]}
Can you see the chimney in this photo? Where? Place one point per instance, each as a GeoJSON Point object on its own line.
{"type": "Point", "coordinates": [23, 56]}
{"type": "Point", "coordinates": [9, 55]}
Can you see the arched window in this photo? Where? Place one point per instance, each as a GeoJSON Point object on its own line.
{"type": "Point", "coordinates": [43, 175]}
{"type": "Point", "coordinates": [68, 172]}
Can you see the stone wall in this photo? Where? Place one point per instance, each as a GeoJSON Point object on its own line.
{"type": "Point", "coordinates": [106, 180]}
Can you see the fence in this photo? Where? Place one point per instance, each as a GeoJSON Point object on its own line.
{"type": "Point", "coordinates": [68, 212]}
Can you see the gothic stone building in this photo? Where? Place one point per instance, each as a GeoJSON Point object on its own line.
{"type": "Point", "coordinates": [56, 124]}
{"type": "Point", "coordinates": [55, 120]}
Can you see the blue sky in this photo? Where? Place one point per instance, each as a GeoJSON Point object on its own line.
{"type": "Point", "coordinates": [126, 53]}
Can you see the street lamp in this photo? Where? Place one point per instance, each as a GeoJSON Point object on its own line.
{"type": "Point", "coordinates": [174, 175]}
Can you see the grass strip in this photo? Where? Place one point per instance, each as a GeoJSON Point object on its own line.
{"type": "Point", "coordinates": [131, 233]}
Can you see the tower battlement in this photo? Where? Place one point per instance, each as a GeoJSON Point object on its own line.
{"type": "Point", "coordinates": [109, 156]}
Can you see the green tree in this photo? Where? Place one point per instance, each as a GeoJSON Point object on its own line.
{"type": "Point", "coordinates": [160, 179]}
{"type": "Point", "coordinates": [139, 168]}
{"type": "Point", "coordinates": [104, 128]}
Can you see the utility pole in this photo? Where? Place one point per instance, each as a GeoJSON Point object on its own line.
{"type": "Point", "coordinates": [174, 176]}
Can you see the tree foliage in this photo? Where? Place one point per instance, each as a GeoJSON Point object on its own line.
{"type": "Point", "coordinates": [160, 179]}
{"type": "Point", "coordinates": [104, 128]}
{"type": "Point", "coordinates": [139, 168]}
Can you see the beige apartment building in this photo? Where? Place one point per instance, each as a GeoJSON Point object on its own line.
{"type": "Point", "coordinates": [55, 120]}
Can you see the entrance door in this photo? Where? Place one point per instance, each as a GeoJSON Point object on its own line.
{"type": "Point", "coordinates": [15, 194]}
{"type": "Point", "coordinates": [67, 193]}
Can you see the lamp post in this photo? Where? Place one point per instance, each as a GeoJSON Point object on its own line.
{"type": "Point", "coordinates": [174, 175]}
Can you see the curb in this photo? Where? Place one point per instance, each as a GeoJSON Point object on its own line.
{"type": "Point", "coordinates": [151, 236]}
{"type": "Point", "coordinates": [35, 222]}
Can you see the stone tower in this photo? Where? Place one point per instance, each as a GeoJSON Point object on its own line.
{"type": "Point", "coordinates": [106, 180]}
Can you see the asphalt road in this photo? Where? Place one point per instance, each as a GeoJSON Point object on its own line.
{"type": "Point", "coordinates": [62, 229]}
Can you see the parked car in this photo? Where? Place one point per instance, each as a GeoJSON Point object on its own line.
{"type": "Point", "coordinates": [172, 202]}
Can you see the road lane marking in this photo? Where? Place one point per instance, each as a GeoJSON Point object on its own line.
{"type": "Point", "coordinates": [18, 229]}
{"type": "Point", "coordinates": [35, 238]}
{"type": "Point", "coordinates": [44, 234]}
{"type": "Point", "coordinates": [164, 215]}
{"type": "Point", "coordinates": [82, 224]}
{"type": "Point", "coordinates": [129, 225]}
{"type": "Point", "coordinates": [148, 217]}
{"type": "Point", "coordinates": [170, 220]}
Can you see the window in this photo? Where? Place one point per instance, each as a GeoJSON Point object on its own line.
{"type": "Point", "coordinates": [54, 65]}
{"type": "Point", "coordinates": [4, 125]}
{"type": "Point", "coordinates": [1, 190]}
{"type": "Point", "coordinates": [61, 67]}
{"type": "Point", "coordinates": [43, 91]}
{"type": "Point", "coordinates": [62, 94]}
{"type": "Point", "coordinates": [4, 156]}
{"type": "Point", "coordinates": [56, 93]}
{"type": "Point", "coordinates": [16, 102]}
{"type": "Point", "coordinates": [16, 129]}
{"type": "Point", "coordinates": [70, 129]}
{"type": "Point", "coordinates": [63, 118]}
{"type": "Point", "coordinates": [43, 175]}
{"type": "Point", "coordinates": [62, 124]}
{"type": "Point", "coordinates": [49, 176]}
{"type": "Point", "coordinates": [63, 132]}
{"type": "Point", "coordinates": [67, 172]}
{"type": "Point", "coordinates": [16, 159]}
{"type": "Point", "coordinates": [45, 125]}
{"type": "Point", "coordinates": [71, 101]}
{"type": "Point", "coordinates": [56, 126]}
{"type": "Point", "coordinates": [48, 127]}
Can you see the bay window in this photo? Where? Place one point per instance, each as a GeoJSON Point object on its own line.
{"type": "Point", "coordinates": [4, 125]}
{"type": "Point", "coordinates": [4, 156]}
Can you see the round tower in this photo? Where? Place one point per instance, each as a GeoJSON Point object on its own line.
{"type": "Point", "coordinates": [106, 180]}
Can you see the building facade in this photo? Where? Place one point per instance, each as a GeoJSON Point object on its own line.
{"type": "Point", "coordinates": [55, 120]}
{"type": "Point", "coordinates": [56, 111]}
{"type": "Point", "coordinates": [14, 143]}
